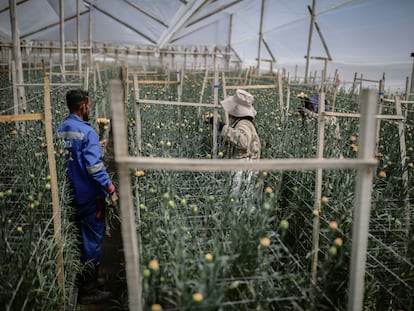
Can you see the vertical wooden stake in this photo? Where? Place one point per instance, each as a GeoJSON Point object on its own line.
{"type": "Point", "coordinates": [128, 228]}
{"type": "Point", "coordinates": [362, 206]}
{"type": "Point", "coordinates": [137, 115]}
{"type": "Point", "coordinates": [54, 190]}
{"type": "Point", "coordinates": [215, 113]}
{"type": "Point", "coordinates": [403, 151]}
{"type": "Point", "coordinates": [318, 190]}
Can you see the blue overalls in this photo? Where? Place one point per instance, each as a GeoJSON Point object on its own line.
{"type": "Point", "coordinates": [89, 183]}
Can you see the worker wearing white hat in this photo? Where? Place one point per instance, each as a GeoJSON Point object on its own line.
{"type": "Point", "coordinates": [241, 136]}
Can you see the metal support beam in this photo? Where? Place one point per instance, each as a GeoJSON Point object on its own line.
{"type": "Point", "coordinates": [180, 20]}
{"type": "Point", "coordinates": [62, 39]}
{"type": "Point", "coordinates": [17, 55]}
{"type": "Point", "coordinates": [78, 39]}
{"type": "Point", "coordinates": [312, 23]}
{"type": "Point", "coordinates": [259, 49]}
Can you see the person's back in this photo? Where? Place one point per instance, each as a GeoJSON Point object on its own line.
{"type": "Point", "coordinates": [90, 184]}
{"type": "Point", "coordinates": [84, 164]}
{"type": "Point", "coordinates": [243, 138]}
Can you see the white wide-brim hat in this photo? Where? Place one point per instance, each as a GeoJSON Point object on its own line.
{"type": "Point", "coordinates": [240, 104]}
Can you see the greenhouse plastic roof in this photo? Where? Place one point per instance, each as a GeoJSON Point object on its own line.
{"type": "Point", "coordinates": [368, 32]}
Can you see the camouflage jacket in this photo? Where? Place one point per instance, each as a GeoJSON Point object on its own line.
{"type": "Point", "coordinates": [243, 139]}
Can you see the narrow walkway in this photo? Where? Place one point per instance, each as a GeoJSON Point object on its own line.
{"type": "Point", "coordinates": [112, 269]}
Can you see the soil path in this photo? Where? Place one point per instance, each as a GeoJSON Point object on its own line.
{"type": "Point", "coordinates": [112, 267]}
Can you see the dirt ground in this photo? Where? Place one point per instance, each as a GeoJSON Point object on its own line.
{"type": "Point", "coordinates": [112, 269]}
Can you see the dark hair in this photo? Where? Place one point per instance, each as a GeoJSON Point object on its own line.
{"type": "Point", "coordinates": [74, 98]}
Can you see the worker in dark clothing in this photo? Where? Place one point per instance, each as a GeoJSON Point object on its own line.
{"type": "Point", "coordinates": [90, 185]}
{"type": "Point", "coordinates": [311, 106]}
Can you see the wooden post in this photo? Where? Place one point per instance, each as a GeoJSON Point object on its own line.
{"type": "Point", "coordinates": [403, 151]}
{"type": "Point", "coordinates": [378, 127]}
{"type": "Point", "coordinates": [203, 87]}
{"type": "Point", "coordinates": [137, 115]}
{"type": "Point", "coordinates": [98, 73]}
{"type": "Point", "coordinates": [287, 97]}
{"type": "Point", "coordinates": [224, 97]}
{"type": "Point", "coordinates": [354, 84]}
{"type": "Point", "coordinates": [86, 78]}
{"type": "Point", "coordinates": [280, 86]}
{"type": "Point", "coordinates": [128, 228]}
{"type": "Point", "coordinates": [318, 191]}
{"type": "Point", "coordinates": [179, 76]}
{"type": "Point", "coordinates": [14, 83]}
{"type": "Point", "coordinates": [62, 38]}
{"type": "Point", "coordinates": [54, 191]}
{"type": "Point", "coordinates": [215, 113]}
{"type": "Point", "coordinates": [336, 84]}
{"type": "Point", "coordinates": [362, 204]}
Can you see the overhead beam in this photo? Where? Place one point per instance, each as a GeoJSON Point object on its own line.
{"type": "Point", "coordinates": [50, 26]}
{"type": "Point", "coordinates": [138, 8]}
{"type": "Point", "coordinates": [180, 20]}
{"type": "Point", "coordinates": [120, 22]}
{"type": "Point", "coordinates": [204, 21]}
{"type": "Point", "coordinates": [214, 13]}
{"type": "Point", "coordinates": [268, 50]}
{"type": "Point", "coordinates": [321, 36]}
{"type": "Point", "coordinates": [17, 4]}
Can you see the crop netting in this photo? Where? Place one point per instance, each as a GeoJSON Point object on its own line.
{"type": "Point", "coordinates": [201, 248]}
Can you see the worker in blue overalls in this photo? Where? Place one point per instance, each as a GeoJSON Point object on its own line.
{"type": "Point", "coordinates": [90, 185]}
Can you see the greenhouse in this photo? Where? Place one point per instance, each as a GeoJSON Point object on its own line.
{"type": "Point", "coordinates": [317, 217]}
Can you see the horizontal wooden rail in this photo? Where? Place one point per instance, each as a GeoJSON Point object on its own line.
{"type": "Point", "coordinates": [266, 60]}
{"type": "Point", "coordinates": [22, 117]}
{"type": "Point", "coordinates": [357, 115]}
{"type": "Point", "coordinates": [315, 83]}
{"type": "Point", "coordinates": [401, 101]}
{"type": "Point", "coordinates": [146, 73]}
{"type": "Point", "coordinates": [166, 102]}
{"type": "Point", "coordinates": [245, 87]}
{"type": "Point", "coordinates": [319, 58]}
{"type": "Point", "coordinates": [235, 78]}
{"type": "Point", "coordinates": [66, 73]}
{"type": "Point", "coordinates": [366, 80]}
{"type": "Point", "coordinates": [51, 84]}
{"type": "Point", "coordinates": [154, 82]}
{"type": "Point", "coordinates": [211, 165]}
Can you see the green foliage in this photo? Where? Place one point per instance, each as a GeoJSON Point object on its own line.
{"type": "Point", "coordinates": [200, 249]}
